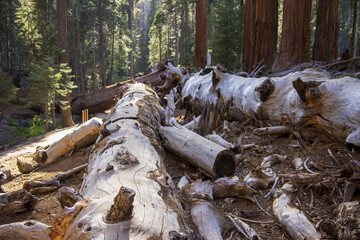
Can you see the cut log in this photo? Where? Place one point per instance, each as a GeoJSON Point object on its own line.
{"type": "Point", "coordinates": [315, 101]}
{"type": "Point", "coordinates": [84, 135]}
{"type": "Point", "coordinates": [214, 159]}
{"type": "Point", "coordinates": [130, 157]}
{"type": "Point", "coordinates": [16, 202]}
{"type": "Point", "coordinates": [31, 230]}
{"type": "Point", "coordinates": [293, 220]}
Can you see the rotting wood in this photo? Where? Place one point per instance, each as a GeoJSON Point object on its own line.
{"type": "Point", "coordinates": [214, 159]}
{"type": "Point", "coordinates": [116, 161]}
{"type": "Point", "coordinates": [278, 130]}
{"type": "Point", "coordinates": [49, 185]}
{"type": "Point", "coordinates": [122, 208]}
{"type": "Point", "coordinates": [25, 230]}
{"type": "Point", "coordinates": [84, 135]}
{"type": "Point", "coordinates": [328, 105]}
{"type": "Point", "coordinates": [232, 187]}
{"type": "Point", "coordinates": [68, 197]}
{"type": "Point", "coordinates": [16, 202]}
{"type": "Point", "coordinates": [293, 220]}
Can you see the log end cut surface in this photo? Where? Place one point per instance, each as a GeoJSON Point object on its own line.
{"type": "Point", "coordinates": [225, 163]}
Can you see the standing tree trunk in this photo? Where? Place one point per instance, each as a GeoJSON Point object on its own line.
{"type": "Point", "coordinates": [200, 34]}
{"type": "Point", "coordinates": [326, 35]}
{"type": "Point", "coordinates": [101, 44]}
{"type": "Point", "coordinates": [66, 117]}
{"type": "Point", "coordinates": [260, 33]}
{"type": "Point", "coordinates": [354, 30]}
{"type": "Point", "coordinates": [295, 36]}
{"type": "Point", "coordinates": [112, 58]}
{"type": "Point", "coordinates": [131, 57]}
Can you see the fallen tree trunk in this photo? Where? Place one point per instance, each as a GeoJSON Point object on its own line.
{"type": "Point", "coordinates": [129, 156]}
{"type": "Point", "coordinates": [307, 99]}
{"type": "Point", "coordinates": [214, 159]}
{"type": "Point", "coordinates": [85, 135]}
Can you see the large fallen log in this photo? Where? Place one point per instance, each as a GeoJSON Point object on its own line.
{"type": "Point", "coordinates": [302, 100]}
{"type": "Point", "coordinates": [124, 168]}
{"type": "Point", "coordinates": [214, 159]}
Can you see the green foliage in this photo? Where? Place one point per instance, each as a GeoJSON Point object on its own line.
{"type": "Point", "coordinates": [227, 23]}
{"type": "Point", "coordinates": [7, 89]}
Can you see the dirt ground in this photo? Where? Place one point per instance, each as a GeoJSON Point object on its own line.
{"type": "Point", "coordinates": [318, 196]}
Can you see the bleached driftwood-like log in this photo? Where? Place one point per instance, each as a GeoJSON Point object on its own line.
{"type": "Point", "coordinates": [83, 136]}
{"type": "Point", "coordinates": [315, 101]}
{"type": "Point", "coordinates": [193, 124]}
{"type": "Point", "coordinates": [214, 159]}
{"type": "Point", "coordinates": [127, 157]}
{"type": "Point", "coordinates": [293, 220]}
{"type": "Point", "coordinates": [16, 202]}
{"type": "Point", "coordinates": [208, 219]}
{"type": "Point", "coordinates": [25, 230]}
{"type": "Point", "coordinates": [49, 185]}
{"type": "Point", "coordinates": [219, 140]}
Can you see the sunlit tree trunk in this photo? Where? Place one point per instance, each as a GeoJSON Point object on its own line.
{"type": "Point", "coordinates": [200, 34]}
{"type": "Point", "coordinates": [66, 117]}
{"type": "Point", "coordinates": [295, 36]}
{"type": "Point", "coordinates": [326, 35]}
{"type": "Point", "coordinates": [260, 33]}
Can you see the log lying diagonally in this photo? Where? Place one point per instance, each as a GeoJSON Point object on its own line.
{"type": "Point", "coordinates": [301, 99]}
{"type": "Point", "coordinates": [129, 156]}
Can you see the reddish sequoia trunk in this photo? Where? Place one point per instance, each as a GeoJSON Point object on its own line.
{"type": "Point", "coordinates": [326, 35]}
{"type": "Point", "coordinates": [66, 118]}
{"type": "Point", "coordinates": [200, 35]}
{"type": "Point", "coordinates": [295, 36]}
{"type": "Point", "coordinates": [260, 33]}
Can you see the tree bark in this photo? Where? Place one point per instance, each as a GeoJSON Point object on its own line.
{"type": "Point", "coordinates": [295, 36]}
{"type": "Point", "coordinates": [326, 34]}
{"type": "Point", "coordinates": [260, 33]}
{"type": "Point", "coordinates": [130, 22]}
{"type": "Point", "coordinates": [116, 161]}
{"type": "Point", "coordinates": [66, 117]}
{"type": "Point", "coordinates": [101, 44]}
{"type": "Point", "coordinates": [354, 29]}
{"type": "Point", "coordinates": [200, 35]}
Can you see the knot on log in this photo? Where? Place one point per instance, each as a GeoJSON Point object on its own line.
{"type": "Point", "coordinates": [308, 92]}
{"type": "Point", "coordinates": [122, 208]}
{"type": "Point", "coordinates": [265, 90]}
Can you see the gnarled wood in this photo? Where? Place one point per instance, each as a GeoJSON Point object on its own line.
{"type": "Point", "coordinates": [31, 230]}
{"type": "Point", "coordinates": [16, 202]}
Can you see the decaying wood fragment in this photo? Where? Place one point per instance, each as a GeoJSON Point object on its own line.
{"type": "Point", "coordinates": [199, 189]}
{"type": "Point", "coordinates": [44, 186]}
{"type": "Point", "coordinates": [278, 130]}
{"type": "Point", "coordinates": [26, 167]}
{"type": "Point", "coordinates": [130, 156]}
{"type": "Point", "coordinates": [83, 136]}
{"type": "Point", "coordinates": [232, 187]}
{"type": "Point", "coordinates": [25, 230]}
{"type": "Point", "coordinates": [16, 202]}
{"type": "Point", "coordinates": [68, 197]}
{"type": "Point", "coordinates": [293, 220]}
{"type": "Point", "coordinates": [219, 140]}
{"type": "Point", "coordinates": [214, 159]}
{"type": "Point", "coordinates": [245, 229]}
{"type": "Point", "coordinates": [122, 208]}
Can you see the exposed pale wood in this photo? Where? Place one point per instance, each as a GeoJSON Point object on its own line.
{"type": "Point", "coordinates": [214, 159]}
{"type": "Point", "coordinates": [219, 140]}
{"type": "Point", "coordinates": [208, 219]}
{"type": "Point", "coordinates": [330, 107]}
{"type": "Point", "coordinates": [278, 130]}
{"type": "Point", "coordinates": [16, 202]}
{"type": "Point", "coordinates": [31, 230]}
{"type": "Point", "coordinates": [130, 156]}
{"type": "Point", "coordinates": [232, 187]}
{"type": "Point", "coordinates": [199, 189]}
{"type": "Point", "coordinates": [293, 220]}
{"type": "Point", "coordinates": [85, 135]}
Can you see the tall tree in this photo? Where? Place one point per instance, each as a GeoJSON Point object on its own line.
{"type": "Point", "coordinates": [295, 36]}
{"type": "Point", "coordinates": [326, 34]}
{"type": "Point", "coordinates": [200, 34]}
{"type": "Point", "coordinates": [66, 117]}
{"type": "Point", "coordinates": [131, 52]}
{"type": "Point", "coordinates": [354, 28]}
{"type": "Point", "coordinates": [260, 34]}
{"type": "Point", "coordinates": [101, 42]}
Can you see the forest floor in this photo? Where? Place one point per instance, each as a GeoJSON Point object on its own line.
{"type": "Point", "coordinates": [318, 196]}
